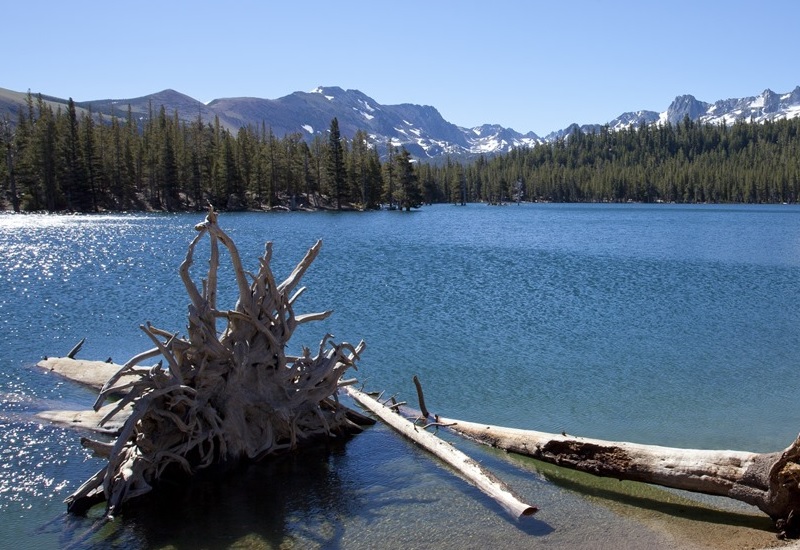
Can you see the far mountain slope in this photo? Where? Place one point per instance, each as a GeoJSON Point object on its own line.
{"type": "Point", "coordinates": [419, 128]}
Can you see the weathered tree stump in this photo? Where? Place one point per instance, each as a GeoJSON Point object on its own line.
{"type": "Point", "coordinates": [218, 397]}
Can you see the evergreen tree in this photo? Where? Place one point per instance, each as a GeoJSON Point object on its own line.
{"type": "Point", "coordinates": [389, 178]}
{"type": "Point", "coordinates": [408, 192]}
{"type": "Point", "coordinates": [309, 183]}
{"type": "Point", "coordinates": [73, 179]}
{"type": "Point", "coordinates": [167, 174]}
{"type": "Point", "coordinates": [272, 162]}
{"type": "Point", "coordinates": [336, 168]}
{"type": "Point", "coordinates": [196, 165]}
{"type": "Point", "coordinates": [8, 142]}
{"type": "Point", "coordinates": [458, 186]}
{"type": "Point", "coordinates": [45, 159]}
{"type": "Point", "coordinates": [318, 152]}
{"type": "Point", "coordinates": [91, 161]}
{"type": "Point", "coordinates": [119, 190]}
{"type": "Point", "coordinates": [24, 165]}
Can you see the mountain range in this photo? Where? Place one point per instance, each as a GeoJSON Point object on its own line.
{"type": "Point", "coordinates": [419, 128]}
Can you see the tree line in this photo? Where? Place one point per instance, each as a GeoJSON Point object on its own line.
{"type": "Point", "coordinates": [689, 162]}
{"type": "Point", "coordinates": [62, 161]}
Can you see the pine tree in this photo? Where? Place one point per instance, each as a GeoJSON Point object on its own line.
{"type": "Point", "coordinates": [45, 140]}
{"type": "Point", "coordinates": [318, 153]}
{"type": "Point", "coordinates": [272, 163]}
{"type": "Point", "coordinates": [91, 161]}
{"type": "Point", "coordinates": [389, 181]}
{"type": "Point", "coordinates": [8, 141]}
{"type": "Point", "coordinates": [167, 165]}
{"type": "Point", "coordinates": [24, 169]}
{"type": "Point", "coordinates": [73, 178]}
{"type": "Point", "coordinates": [409, 195]}
{"type": "Point", "coordinates": [336, 167]}
{"type": "Point", "coordinates": [309, 184]}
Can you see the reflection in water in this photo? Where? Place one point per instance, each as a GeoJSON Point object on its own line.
{"type": "Point", "coordinates": [633, 497]}
{"type": "Point", "coordinates": [298, 499]}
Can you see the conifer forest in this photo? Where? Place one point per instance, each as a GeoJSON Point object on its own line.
{"type": "Point", "coordinates": [60, 161]}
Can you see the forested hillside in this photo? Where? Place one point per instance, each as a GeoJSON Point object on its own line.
{"type": "Point", "coordinates": [688, 162]}
{"type": "Point", "coordinates": [59, 161]}
{"type": "Point", "coordinates": [62, 161]}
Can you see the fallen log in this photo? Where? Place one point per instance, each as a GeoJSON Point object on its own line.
{"type": "Point", "coordinates": [93, 374]}
{"type": "Point", "coordinates": [95, 421]}
{"type": "Point", "coordinates": [467, 467]}
{"type": "Point", "coordinates": [769, 481]}
{"type": "Point", "coordinates": [215, 396]}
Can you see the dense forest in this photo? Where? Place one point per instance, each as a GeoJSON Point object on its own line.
{"type": "Point", "coordinates": [689, 162]}
{"type": "Point", "coordinates": [60, 161]}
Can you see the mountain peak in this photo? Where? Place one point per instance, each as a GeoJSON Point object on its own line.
{"type": "Point", "coordinates": [421, 129]}
{"type": "Point", "coordinates": [330, 92]}
{"type": "Point", "coordinates": [685, 106]}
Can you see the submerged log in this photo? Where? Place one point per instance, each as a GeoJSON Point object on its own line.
{"type": "Point", "coordinates": [463, 464]}
{"type": "Point", "coordinates": [216, 396]}
{"type": "Point", "coordinates": [93, 374]}
{"type": "Point", "coordinates": [770, 481]}
{"type": "Point", "coordinates": [90, 420]}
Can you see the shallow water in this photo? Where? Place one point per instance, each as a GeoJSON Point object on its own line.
{"type": "Point", "coordinates": [665, 324]}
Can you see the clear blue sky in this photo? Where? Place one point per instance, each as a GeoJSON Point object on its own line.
{"type": "Point", "coordinates": [529, 65]}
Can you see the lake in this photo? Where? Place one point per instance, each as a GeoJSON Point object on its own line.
{"type": "Point", "coordinates": [667, 324]}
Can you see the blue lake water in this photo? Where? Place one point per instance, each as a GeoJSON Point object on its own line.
{"type": "Point", "coordinates": [668, 324]}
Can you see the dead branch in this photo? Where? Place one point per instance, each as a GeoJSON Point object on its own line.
{"type": "Point", "coordinates": [74, 351]}
{"type": "Point", "coordinates": [420, 397]}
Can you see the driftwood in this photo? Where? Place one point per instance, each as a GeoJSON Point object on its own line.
{"type": "Point", "coordinates": [470, 469]}
{"type": "Point", "coordinates": [218, 397]}
{"type": "Point", "coordinates": [88, 373]}
{"type": "Point", "coordinates": [91, 420]}
{"type": "Point", "coordinates": [771, 481]}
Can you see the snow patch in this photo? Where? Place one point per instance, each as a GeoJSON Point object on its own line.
{"type": "Point", "coordinates": [793, 112]}
{"type": "Point", "coordinates": [362, 113]}
{"type": "Point", "coordinates": [308, 129]}
{"type": "Point", "coordinates": [320, 90]}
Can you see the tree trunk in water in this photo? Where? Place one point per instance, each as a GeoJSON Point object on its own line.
{"type": "Point", "coordinates": [470, 469]}
{"type": "Point", "coordinates": [768, 481]}
{"type": "Point", "coordinates": [220, 397]}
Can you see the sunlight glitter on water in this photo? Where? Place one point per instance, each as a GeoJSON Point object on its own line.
{"type": "Point", "coordinates": [34, 460]}
{"type": "Point", "coordinates": [596, 319]}
{"type": "Point", "coordinates": [32, 255]}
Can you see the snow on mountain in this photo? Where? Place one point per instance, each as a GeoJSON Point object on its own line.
{"type": "Point", "coordinates": [419, 128]}
{"type": "Point", "coordinates": [761, 108]}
